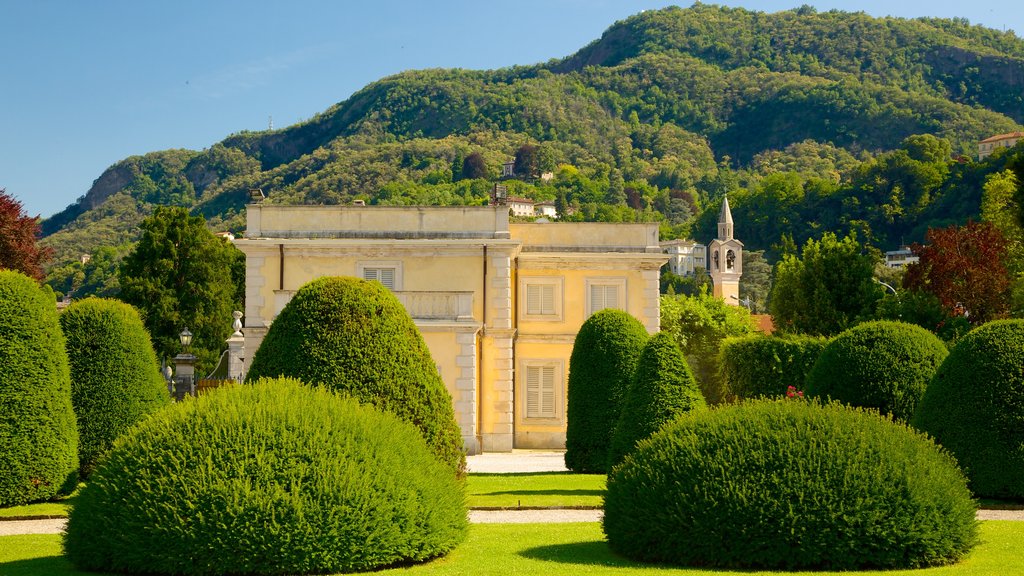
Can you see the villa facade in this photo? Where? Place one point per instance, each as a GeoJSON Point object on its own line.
{"type": "Point", "coordinates": [499, 304]}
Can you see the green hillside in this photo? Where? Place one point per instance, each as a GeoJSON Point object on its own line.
{"type": "Point", "coordinates": [803, 117]}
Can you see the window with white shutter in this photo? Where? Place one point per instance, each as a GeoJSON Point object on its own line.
{"type": "Point", "coordinates": [605, 293]}
{"type": "Point", "coordinates": [540, 298]}
{"type": "Point", "coordinates": [542, 388]}
{"type": "Point", "coordinates": [388, 273]}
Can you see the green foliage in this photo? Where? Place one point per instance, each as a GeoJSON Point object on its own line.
{"type": "Point", "coordinates": [699, 324]}
{"type": "Point", "coordinates": [38, 438]}
{"type": "Point", "coordinates": [766, 366]}
{"type": "Point", "coordinates": [883, 365]}
{"type": "Point", "coordinates": [285, 480]}
{"type": "Point", "coordinates": [115, 377]}
{"type": "Point", "coordinates": [789, 485]}
{"type": "Point", "coordinates": [827, 289]}
{"type": "Point", "coordinates": [925, 310]}
{"type": "Point", "coordinates": [354, 337]}
{"type": "Point", "coordinates": [662, 389]}
{"type": "Point", "coordinates": [802, 111]}
{"type": "Point", "coordinates": [180, 276]}
{"type": "Point", "coordinates": [604, 357]}
{"type": "Point", "coordinates": [973, 408]}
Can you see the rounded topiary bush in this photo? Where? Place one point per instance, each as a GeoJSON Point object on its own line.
{"type": "Point", "coordinates": [115, 378]}
{"type": "Point", "coordinates": [662, 389]}
{"type": "Point", "coordinates": [38, 437]}
{"type": "Point", "coordinates": [974, 407]}
{"type": "Point", "coordinates": [765, 366]}
{"type": "Point", "coordinates": [354, 337]}
{"type": "Point", "coordinates": [273, 478]}
{"type": "Point", "coordinates": [601, 366]}
{"type": "Point", "coordinates": [789, 484]}
{"type": "Point", "coordinates": [883, 365]}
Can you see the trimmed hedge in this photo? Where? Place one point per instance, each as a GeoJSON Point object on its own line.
{"type": "Point", "coordinates": [273, 478]}
{"type": "Point", "coordinates": [974, 407]}
{"type": "Point", "coordinates": [883, 365]}
{"type": "Point", "coordinates": [793, 485]}
{"type": "Point", "coordinates": [354, 337]}
{"type": "Point", "coordinates": [38, 436]}
{"type": "Point", "coordinates": [765, 366]}
{"type": "Point", "coordinates": [603, 359]}
{"type": "Point", "coordinates": [662, 389]}
{"type": "Point", "coordinates": [115, 378]}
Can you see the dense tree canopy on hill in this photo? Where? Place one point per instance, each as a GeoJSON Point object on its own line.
{"type": "Point", "coordinates": [814, 122]}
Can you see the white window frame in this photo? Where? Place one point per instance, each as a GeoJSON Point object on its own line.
{"type": "Point", "coordinates": [618, 284]}
{"type": "Point", "coordinates": [555, 283]}
{"type": "Point", "coordinates": [395, 265]}
{"type": "Point", "coordinates": [552, 403]}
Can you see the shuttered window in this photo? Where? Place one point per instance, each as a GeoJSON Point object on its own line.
{"type": "Point", "coordinates": [385, 276]}
{"type": "Point", "coordinates": [605, 293]}
{"type": "Point", "coordinates": [541, 391]}
{"type": "Point", "coordinates": [540, 299]}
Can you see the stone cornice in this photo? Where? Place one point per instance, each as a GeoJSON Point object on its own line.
{"type": "Point", "coordinates": [591, 261]}
{"type": "Point", "coordinates": [374, 248]}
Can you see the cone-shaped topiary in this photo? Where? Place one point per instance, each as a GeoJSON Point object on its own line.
{"type": "Point", "coordinates": [883, 365]}
{"type": "Point", "coordinates": [974, 407]}
{"type": "Point", "coordinates": [662, 389]}
{"type": "Point", "coordinates": [793, 485]}
{"type": "Point", "coordinates": [273, 478]}
{"type": "Point", "coordinates": [601, 366]}
{"type": "Point", "coordinates": [38, 437]}
{"type": "Point", "coordinates": [354, 337]}
{"type": "Point", "coordinates": [115, 378]}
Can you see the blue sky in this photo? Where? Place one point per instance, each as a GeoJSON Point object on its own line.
{"type": "Point", "coordinates": [84, 84]}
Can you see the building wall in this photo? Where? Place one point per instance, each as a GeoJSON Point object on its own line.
{"type": "Point", "coordinates": [461, 273]}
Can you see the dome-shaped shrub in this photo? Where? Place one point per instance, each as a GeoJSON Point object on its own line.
{"type": "Point", "coordinates": [766, 366]}
{"type": "Point", "coordinates": [115, 378]}
{"type": "Point", "coordinates": [974, 407]}
{"type": "Point", "coordinates": [273, 478]}
{"type": "Point", "coordinates": [662, 389]}
{"type": "Point", "coordinates": [38, 437]}
{"type": "Point", "coordinates": [793, 485]}
{"type": "Point", "coordinates": [883, 365]}
{"type": "Point", "coordinates": [601, 366]}
{"type": "Point", "coordinates": [355, 337]}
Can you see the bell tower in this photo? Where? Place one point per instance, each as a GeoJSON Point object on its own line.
{"type": "Point", "coordinates": [726, 255]}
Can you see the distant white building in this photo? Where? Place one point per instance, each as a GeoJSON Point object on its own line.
{"type": "Point", "coordinates": [685, 256]}
{"type": "Point", "coordinates": [545, 209]}
{"type": "Point", "coordinates": [900, 258]}
{"type": "Point", "coordinates": [521, 206]}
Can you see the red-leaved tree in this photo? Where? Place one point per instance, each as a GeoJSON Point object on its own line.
{"type": "Point", "coordinates": [965, 267]}
{"type": "Point", "coordinates": [18, 232]}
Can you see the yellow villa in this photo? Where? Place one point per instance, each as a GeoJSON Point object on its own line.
{"type": "Point", "coordinates": [498, 304]}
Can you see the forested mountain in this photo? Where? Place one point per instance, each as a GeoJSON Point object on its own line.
{"type": "Point", "coordinates": [811, 121]}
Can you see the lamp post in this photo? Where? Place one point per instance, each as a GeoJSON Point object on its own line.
{"type": "Point", "coordinates": [184, 368]}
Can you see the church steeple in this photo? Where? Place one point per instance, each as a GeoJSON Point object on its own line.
{"type": "Point", "coordinates": [726, 264]}
{"type": "Point", "coordinates": [725, 226]}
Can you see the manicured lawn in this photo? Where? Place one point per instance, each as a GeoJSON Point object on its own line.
{"type": "Point", "coordinates": [542, 489]}
{"type": "Point", "coordinates": [541, 549]}
{"type": "Point", "coordinates": [40, 510]}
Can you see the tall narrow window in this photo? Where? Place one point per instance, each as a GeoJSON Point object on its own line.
{"type": "Point", "coordinates": [541, 391]}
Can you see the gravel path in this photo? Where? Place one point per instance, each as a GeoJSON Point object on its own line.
{"type": "Point", "coordinates": [56, 525]}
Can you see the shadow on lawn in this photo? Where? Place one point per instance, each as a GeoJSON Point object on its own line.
{"type": "Point", "coordinates": [596, 553]}
{"type": "Point", "coordinates": [49, 565]}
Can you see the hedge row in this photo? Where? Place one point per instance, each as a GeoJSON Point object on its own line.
{"type": "Point", "coordinates": [765, 366]}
